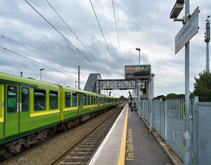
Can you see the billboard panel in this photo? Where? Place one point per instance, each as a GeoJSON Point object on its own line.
{"type": "Point", "coordinates": [138, 71]}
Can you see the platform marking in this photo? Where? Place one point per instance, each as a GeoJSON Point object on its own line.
{"type": "Point", "coordinates": [129, 146]}
{"type": "Point", "coordinates": [121, 160]}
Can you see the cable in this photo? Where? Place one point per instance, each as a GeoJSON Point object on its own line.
{"type": "Point", "coordinates": [27, 48]}
{"type": "Point", "coordinates": [4, 49]}
{"type": "Point", "coordinates": [10, 51]}
{"type": "Point", "coordinates": [103, 35]}
{"type": "Point", "coordinates": [62, 35]}
{"type": "Point", "coordinates": [74, 34]}
{"type": "Point", "coordinates": [117, 33]}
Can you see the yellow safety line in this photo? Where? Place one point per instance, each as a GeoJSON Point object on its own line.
{"type": "Point", "coordinates": [121, 160]}
{"type": "Point", "coordinates": [44, 113]}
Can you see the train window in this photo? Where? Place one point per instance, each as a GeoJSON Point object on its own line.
{"type": "Point", "coordinates": [67, 99]}
{"type": "Point", "coordinates": [74, 100]}
{"type": "Point", "coordinates": [85, 100]}
{"type": "Point", "coordinates": [25, 99]}
{"type": "Point", "coordinates": [11, 99]}
{"type": "Point", "coordinates": [92, 99]}
{"type": "Point", "coordinates": [88, 100]}
{"type": "Point", "coordinates": [39, 99]}
{"type": "Point", "coordinates": [101, 100]}
{"type": "Point", "coordinates": [96, 100]}
{"type": "Point", "coordinates": [53, 100]}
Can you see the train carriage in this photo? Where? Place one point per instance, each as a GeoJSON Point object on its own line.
{"type": "Point", "coordinates": [27, 106]}
{"type": "Point", "coordinates": [31, 109]}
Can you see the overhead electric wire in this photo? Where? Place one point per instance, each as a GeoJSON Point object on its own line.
{"type": "Point", "coordinates": [75, 35]}
{"type": "Point", "coordinates": [27, 48]}
{"type": "Point", "coordinates": [103, 36]}
{"type": "Point", "coordinates": [117, 32]}
{"type": "Point", "coordinates": [25, 58]}
{"type": "Point", "coordinates": [10, 51]}
{"type": "Point", "coordinates": [62, 36]}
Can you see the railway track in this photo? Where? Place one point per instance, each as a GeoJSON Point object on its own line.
{"type": "Point", "coordinates": [83, 149]}
{"type": "Point", "coordinates": [55, 136]}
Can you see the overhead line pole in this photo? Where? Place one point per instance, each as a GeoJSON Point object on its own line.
{"type": "Point", "coordinates": [78, 77]}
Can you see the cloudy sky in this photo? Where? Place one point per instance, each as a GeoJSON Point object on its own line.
{"type": "Point", "coordinates": [141, 23]}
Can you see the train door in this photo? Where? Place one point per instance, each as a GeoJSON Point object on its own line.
{"type": "Point", "coordinates": [11, 110]}
{"type": "Point", "coordinates": [17, 112]}
{"type": "Point", "coordinates": [80, 103]}
{"type": "Point", "coordinates": [24, 109]}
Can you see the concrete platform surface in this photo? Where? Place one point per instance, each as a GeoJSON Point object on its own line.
{"type": "Point", "coordinates": [129, 142]}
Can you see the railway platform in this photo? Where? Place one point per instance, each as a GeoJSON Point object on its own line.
{"type": "Point", "coordinates": [129, 142]}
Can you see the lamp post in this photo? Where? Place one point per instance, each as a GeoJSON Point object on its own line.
{"type": "Point", "coordinates": [41, 73]}
{"type": "Point", "coordinates": [139, 49]}
{"type": "Point", "coordinates": [207, 40]}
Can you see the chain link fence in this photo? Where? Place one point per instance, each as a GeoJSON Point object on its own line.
{"type": "Point", "coordinates": [168, 118]}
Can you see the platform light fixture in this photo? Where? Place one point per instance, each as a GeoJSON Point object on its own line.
{"type": "Point", "coordinates": [177, 9]}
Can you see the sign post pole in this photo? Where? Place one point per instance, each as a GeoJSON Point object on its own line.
{"type": "Point", "coordinates": [187, 137]}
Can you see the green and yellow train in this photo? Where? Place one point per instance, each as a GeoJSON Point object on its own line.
{"type": "Point", "coordinates": [30, 110]}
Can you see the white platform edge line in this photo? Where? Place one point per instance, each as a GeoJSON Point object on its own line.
{"type": "Point", "coordinates": [94, 158]}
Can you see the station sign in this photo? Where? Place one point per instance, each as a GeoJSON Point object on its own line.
{"type": "Point", "coordinates": [138, 71]}
{"type": "Point", "coordinates": [188, 31]}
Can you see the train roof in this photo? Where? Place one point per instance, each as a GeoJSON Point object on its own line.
{"type": "Point", "coordinates": [31, 82]}
{"type": "Point", "coordinates": [24, 81]}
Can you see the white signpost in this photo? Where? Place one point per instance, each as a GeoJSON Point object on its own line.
{"type": "Point", "coordinates": [187, 32]}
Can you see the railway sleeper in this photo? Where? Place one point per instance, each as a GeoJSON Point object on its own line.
{"type": "Point", "coordinates": [73, 163]}
{"type": "Point", "coordinates": [76, 160]}
{"type": "Point", "coordinates": [85, 150]}
{"type": "Point", "coordinates": [82, 153]}
{"type": "Point", "coordinates": [76, 157]}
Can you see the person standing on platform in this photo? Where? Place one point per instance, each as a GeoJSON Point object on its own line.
{"type": "Point", "coordinates": [134, 106]}
{"type": "Point", "coordinates": [130, 104]}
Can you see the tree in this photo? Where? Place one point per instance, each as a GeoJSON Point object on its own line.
{"type": "Point", "coordinates": [180, 95]}
{"type": "Point", "coordinates": [122, 98]}
{"type": "Point", "coordinates": [202, 86]}
{"type": "Point", "coordinates": [161, 96]}
{"type": "Point", "coordinates": [171, 95]}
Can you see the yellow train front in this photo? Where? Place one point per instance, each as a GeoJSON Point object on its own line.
{"type": "Point", "coordinates": [30, 110]}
